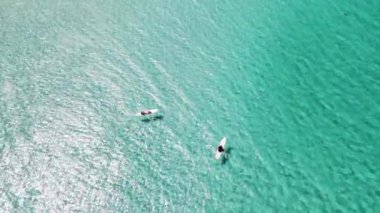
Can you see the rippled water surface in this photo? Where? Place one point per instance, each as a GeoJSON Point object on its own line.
{"type": "Point", "coordinates": [293, 85]}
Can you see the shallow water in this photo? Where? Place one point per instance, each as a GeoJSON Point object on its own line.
{"type": "Point", "coordinates": [293, 86]}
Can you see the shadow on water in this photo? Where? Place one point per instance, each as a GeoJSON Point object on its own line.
{"type": "Point", "coordinates": [153, 118]}
{"type": "Point", "coordinates": [227, 155]}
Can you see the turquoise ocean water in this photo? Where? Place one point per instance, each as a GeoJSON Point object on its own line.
{"type": "Point", "coordinates": [293, 85]}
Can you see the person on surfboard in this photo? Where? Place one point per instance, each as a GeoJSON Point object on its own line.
{"type": "Point", "coordinates": [220, 149]}
{"type": "Point", "coordinates": [146, 112]}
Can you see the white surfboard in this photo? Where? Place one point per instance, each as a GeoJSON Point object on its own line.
{"type": "Point", "coordinates": [152, 111]}
{"type": "Point", "coordinates": [223, 144]}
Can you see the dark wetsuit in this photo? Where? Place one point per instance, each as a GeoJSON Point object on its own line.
{"type": "Point", "coordinates": [146, 112]}
{"type": "Point", "coordinates": [220, 149]}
